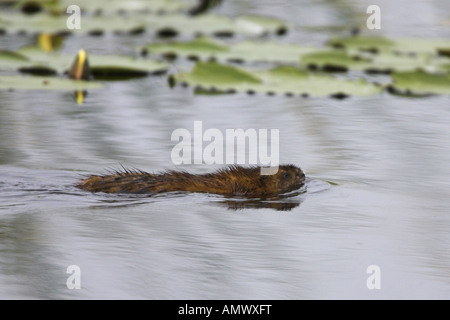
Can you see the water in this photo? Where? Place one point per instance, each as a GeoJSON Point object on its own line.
{"type": "Point", "coordinates": [378, 187]}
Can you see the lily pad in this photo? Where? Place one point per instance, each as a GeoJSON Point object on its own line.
{"type": "Point", "coordinates": [422, 45]}
{"type": "Point", "coordinates": [420, 83]}
{"type": "Point", "coordinates": [381, 44]}
{"type": "Point", "coordinates": [334, 61]}
{"type": "Point", "coordinates": [6, 55]}
{"type": "Point", "coordinates": [57, 24]}
{"type": "Point", "coordinates": [336, 28]}
{"type": "Point", "coordinates": [200, 47]}
{"type": "Point", "coordinates": [10, 60]}
{"type": "Point", "coordinates": [269, 51]}
{"type": "Point", "coordinates": [383, 62]}
{"type": "Point", "coordinates": [103, 66]}
{"type": "Point", "coordinates": [221, 75]}
{"type": "Point", "coordinates": [217, 25]}
{"type": "Point", "coordinates": [212, 76]}
{"type": "Point", "coordinates": [204, 48]}
{"type": "Point", "coordinates": [383, 55]}
{"type": "Point", "coordinates": [118, 66]}
{"type": "Point", "coordinates": [45, 83]}
{"type": "Point", "coordinates": [325, 59]}
{"type": "Point", "coordinates": [111, 6]}
{"type": "Point", "coordinates": [365, 43]}
{"type": "Point", "coordinates": [389, 62]}
{"type": "Point", "coordinates": [108, 6]}
{"type": "Point", "coordinates": [164, 25]}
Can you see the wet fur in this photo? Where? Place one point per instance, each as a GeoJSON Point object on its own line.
{"type": "Point", "coordinates": [233, 181]}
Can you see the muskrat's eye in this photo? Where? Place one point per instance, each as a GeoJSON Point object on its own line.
{"type": "Point", "coordinates": [285, 175]}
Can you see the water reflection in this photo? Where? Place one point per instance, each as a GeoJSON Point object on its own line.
{"type": "Point", "coordinates": [284, 202]}
{"type": "Point", "coordinates": [258, 204]}
{"type": "Point", "coordinates": [26, 255]}
{"type": "Point", "coordinates": [79, 96]}
{"type": "Point", "coordinates": [281, 203]}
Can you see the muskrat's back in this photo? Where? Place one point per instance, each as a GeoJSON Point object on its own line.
{"type": "Point", "coordinates": [233, 180]}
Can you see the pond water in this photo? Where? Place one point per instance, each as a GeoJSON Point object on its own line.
{"type": "Point", "coordinates": [378, 185]}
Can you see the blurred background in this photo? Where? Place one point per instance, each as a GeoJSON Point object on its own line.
{"type": "Point", "coordinates": [378, 189]}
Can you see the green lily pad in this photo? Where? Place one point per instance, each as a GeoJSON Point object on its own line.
{"type": "Point", "coordinates": [221, 75]}
{"type": "Point", "coordinates": [269, 51]}
{"type": "Point", "coordinates": [10, 60]}
{"type": "Point", "coordinates": [336, 28]}
{"type": "Point", "coordinates": [50, 60]}
{"type": "Point", "coordinates": [117, 66]}
{"type": "Point", "coordinates": [212, 76]}
{"type": "Point", "coordinates": [421, 45]}
{"type": "Point", "coordinates": [420, 83]}
{"type": "Point", "coordinates": [45, 83]}
{"type": "Point", "coordinates": [381, 44]}
{"type": "Point", "coordinates": [389, 62]}
{"type": "Point", "coordinates": [388, 55]}
{"type": "Point", "coordinates": [362, 43]}
{"type": "Point", "coordinates": [204, 48]}
{"type": "Point", "coordinates": [102, 66]}
{"type": "Point", "coordinates": [163, 25]}
{"type": "Point", "coordinates": [217, 25]}
{"type": "Point", "coordinates": [336, 60]}
{"type": "Point", "coordinates": [6, 55]}
{"type": "Point", "coordinates": [55, 24]}
{"type": "Point", "coordinates": [109, 6]}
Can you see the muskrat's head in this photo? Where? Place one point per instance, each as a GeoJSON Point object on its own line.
{"type": "Point", "coordinates": [288, 178]}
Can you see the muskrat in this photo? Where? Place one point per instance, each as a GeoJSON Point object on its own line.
{"type": "Point", "coordinates": [230, 181]}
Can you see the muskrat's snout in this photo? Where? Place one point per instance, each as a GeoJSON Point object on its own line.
{"type": "Point", "coordinates": [300, 176]}
{"type": "Point", "coordinates": [290, 178]}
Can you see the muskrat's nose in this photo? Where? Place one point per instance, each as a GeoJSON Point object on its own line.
{"type": "Point", "coordinates": [300, 174]}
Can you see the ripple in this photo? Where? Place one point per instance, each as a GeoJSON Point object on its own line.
{"type": "Point", "coordinates": [316, 185]}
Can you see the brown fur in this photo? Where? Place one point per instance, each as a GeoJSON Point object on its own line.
{"type": "Point", "coordinates": [231, 181]}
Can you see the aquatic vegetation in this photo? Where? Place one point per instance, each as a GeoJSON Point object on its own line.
{"type": "Point", "coordinates": [410, 64]}
{"type": "Point", "coordinates": [285, 80]}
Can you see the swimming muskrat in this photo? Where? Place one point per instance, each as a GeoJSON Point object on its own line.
{"type": "Point", "coordinates": [231, 181]}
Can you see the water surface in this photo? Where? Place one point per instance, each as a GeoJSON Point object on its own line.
{"type": "Point", "coordinates": [378, 189]}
